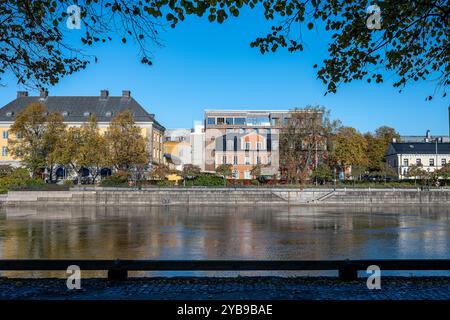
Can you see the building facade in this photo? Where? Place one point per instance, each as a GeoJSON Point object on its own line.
{"type": "Point", "coordinates": [430, 156]}
{"type": "Point", "coordinates": [76, 110]}
{"type": "Point", "coordinates": [244, 139]}
{"type": "Point", "coordinates": [185, 146]}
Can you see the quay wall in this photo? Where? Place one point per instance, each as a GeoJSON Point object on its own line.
{"type": "Point", "coordinates": [225, 196]}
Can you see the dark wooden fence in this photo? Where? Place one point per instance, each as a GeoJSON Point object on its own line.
{"type": "Point", "coordinates": [118, 269]}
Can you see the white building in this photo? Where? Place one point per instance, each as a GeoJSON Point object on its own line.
{"type": "Point", "coordinates": [430, 156]}
{"type": "Point", "coordinates": [185, 146]}
{"type": "Point", "coordinates": [197, 139]}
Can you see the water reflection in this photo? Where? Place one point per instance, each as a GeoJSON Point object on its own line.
{"type": "Point", "coordinates": [225, 232]}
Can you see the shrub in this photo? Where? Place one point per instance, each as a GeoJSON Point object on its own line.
{"type": "Point", "coordinates": [208, 180]}
{"type": "Point", "coordinates": [165, 183]}
{"type": "Point", "coordinates": [18, 179]}
{"type": "Point", "coordinates": [118, 179]}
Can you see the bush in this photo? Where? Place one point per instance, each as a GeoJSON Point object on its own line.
{"type": "Point", "coordinates": [205, 180]}
{"type": "Point", "coordinates": [68, 182]}
{"type": "Point", "coordinates": [118, 179]}
{"type": "Point", "coordinates": [165, 183]}
{"type": "Point", "coordinates": [19, 179]}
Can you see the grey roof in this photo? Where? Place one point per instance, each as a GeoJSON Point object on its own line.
{"type": "Point", "coordinates": [418, 148]}
{"type": "Point", "coordinates": [74, 108]}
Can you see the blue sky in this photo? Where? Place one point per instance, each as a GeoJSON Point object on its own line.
{"type": "Point", "coordinates": [211, 66]}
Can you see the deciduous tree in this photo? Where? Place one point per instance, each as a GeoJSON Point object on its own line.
{"type": "Point", "coordinates": [349, 148]}
{"type": "Point", "coordinates": [93, 151]}
{"type": "Point", "coordinates": [303, 142]}
{"type": "Point", "coordinates": [127, 147]}
{"type": "Point", "coordinates": [27, 140]}
{"type": "Point", "coordinates": [412, 43]}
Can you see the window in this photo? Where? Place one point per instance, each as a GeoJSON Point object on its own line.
{"type": "Point", "coordinates": [247, 175]}
{"type": "Point", "coordinates": [443, 162]}
{"type": "Point", "coordinates": [220, 120]}
{"type": "Point", "coordinates": [258, 160]}
{"type": "Point", "coordinates": [19, 135]}
{"type": "Point", "coordinates": [418, 162]}
{"type": "Point", "coordinates": [239, 121]}
{"type": "Point", "coordinates": [65, 113]}
{"type": "Point", "coordinates": [247, 160]}
{"type": "Point", "coordinates": [86, 114]}
{"type": "Point", "coordinates": [235, 174]}
{"type": "Point", "coordinates": [5, 134]}
{"type": "Point", "coordinates": [247, 145]}
{"type": "Point", "coordinates": [4, 151]}
{"type": "Point", "coordinates": [235, 160]}
{"type": "Point", "coordinates": [211, 120]}
{"type": "Point", "coordinates": [229, 121]}
{"type": "Point", "coordinates": [405, 162]}
{"type": "Point", "coordinates": [431, 162]}
{"type": "Point", "coordinates": [224, 159]}
{"type": "Point", "coordinates": [269, 160]}
{"type": "Point", "coordinates": [259, 145]}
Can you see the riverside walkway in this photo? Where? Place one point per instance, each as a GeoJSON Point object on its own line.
{"type": "Point", "coordinates": [210, 288]}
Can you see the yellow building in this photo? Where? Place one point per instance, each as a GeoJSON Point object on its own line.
{"type": "Point", "coordinates": [76, 110]}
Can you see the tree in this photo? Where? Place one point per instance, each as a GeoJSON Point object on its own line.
{"type": "Point", "coordinates": [377, 145]}
{"type": "Point", "coordinates": [349, 149]}
{"type": "Point", "coordinates": [67, 151]}
{"type": "Point", "coordinates": [256, 170]}
{"type": "Point", "coordinates": [303, 142]}
{"type": "Point", "coordinates": [322, 174]}
{"type": "Point", "coordinates": [224, 170]}
{"type": "Point", "coordinates": [416, 172]}
{"type": "Point", "coordinates": [27, 142]}
{"type": "Point", "coordinates": [127, 147]}
{"type": "Point", "coordinates": [93, 152]}
{"type": "Point", "coordinates": [444, 171]}
{"type": "Point", "coordinates": [160, 171]}
{"type": "Point", "coordinates": [413, 42]}
{"type": "Point", "coordinates": [54, 130]}
{"type": "Point", "coordinates": [190, 171]}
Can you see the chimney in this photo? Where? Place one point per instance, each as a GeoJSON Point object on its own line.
{"type": "Point", "coordinates": [21, 94]}
{"type": "Point", "coordinates": [126, 93]}
{"type": "Point", "coordinates": [104, 94]}
{"type": "Point", "coordinates": [43, 94]}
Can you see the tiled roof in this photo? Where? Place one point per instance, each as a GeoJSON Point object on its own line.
{"type": "Point", "coordinates": [419, 148]}
{"type": "Point", "coordinates": [78, 108]}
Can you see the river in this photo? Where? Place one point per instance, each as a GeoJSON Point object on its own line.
{"type": "Point", "coordinates": [268, 233]}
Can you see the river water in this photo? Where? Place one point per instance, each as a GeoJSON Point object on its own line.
{"type": "Point", "coordinates": [264, 233]}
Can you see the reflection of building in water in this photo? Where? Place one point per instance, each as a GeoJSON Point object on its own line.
{"type": "Point", "coordinates": [225, 233]}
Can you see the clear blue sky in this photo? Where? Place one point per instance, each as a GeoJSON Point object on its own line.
{"type": "Point", "coordinates": [211, 66]}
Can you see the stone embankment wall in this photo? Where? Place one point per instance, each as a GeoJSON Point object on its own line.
{"type": "Point", "coordinates": [222, 196]}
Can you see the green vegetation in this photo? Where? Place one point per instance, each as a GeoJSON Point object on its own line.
{"type": "Point", "coordinates": [17, 179]}
{"type": "Point", "coordinates": [410, 45]}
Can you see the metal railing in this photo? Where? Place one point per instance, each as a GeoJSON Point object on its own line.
{"type": "Point", "coordinates": [118, 269]}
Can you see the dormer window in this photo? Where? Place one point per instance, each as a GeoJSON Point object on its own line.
{"type": "Point", "coordinates": [108, 113]}
{"type": "Point", "coordinates": [9, 114]}
{"type": "Point", "coordinates": [87, 114]}
{"type": "Point", "coordinates": [65, 113]}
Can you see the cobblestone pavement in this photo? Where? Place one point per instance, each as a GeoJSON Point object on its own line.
{"type": "Point", "coordinates": [261, 288]}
